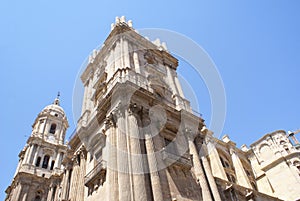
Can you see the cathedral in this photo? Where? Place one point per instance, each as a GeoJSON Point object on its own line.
{"type": "Point", "coordinates": [138, 140]}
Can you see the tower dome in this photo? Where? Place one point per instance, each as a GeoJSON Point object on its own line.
{"type": "Point", "coordinates": [54, 109]}
{"type": "Point", "coordinates": [51, 123]}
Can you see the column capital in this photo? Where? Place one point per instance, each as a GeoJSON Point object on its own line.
{"type": "Point", "coordinates": [190, 134]}
{"type": "Point", "coordinates": [119, 111]}
{"type": "Point", "coordinates": [134, 109]}
{"type": "Point", "coordinates": [110, 121]}
{"type": "Point", "coordinates": [232, 151]}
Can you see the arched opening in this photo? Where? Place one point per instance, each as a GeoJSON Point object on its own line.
{"type": "Point", "coordinates": [78, 159]}
{"type": "Point", "coordinates": [38, 161]}
{"type": "Point", "coordinates": [224, 162]}
{"type": "Point", "coordinates": [45, 161]}
{"type": "Point", "coordinates": [231, 178]}
{"type": "Point", "coordinates": [266, 152]}
{"type": "Point", "coordinates": [52, 128]}
{"type": "Point", "coordinates": [286, 148]}
{"type": "Point", "coordinates": [52, 165]}
{"type": "Point", "coordinates": [37, 198]}
{"type": "Point", "coordinates": [297, 165]}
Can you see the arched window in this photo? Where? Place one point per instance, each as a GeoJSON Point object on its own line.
{"type": "Point", "coordinates": [38, 161]}
{"type": "Point", "coordinates": [52, 128]}
{"type": "Point", "coordinates": [52, 165]}
{"type": "Point", "coordinates": [286, 149]}
{"type": "Point", "coordinates": [78, 159]}
{"type": "Point", "coordinates": [297, 165]}
{"type": "Point", "coordinates": [45, 161]}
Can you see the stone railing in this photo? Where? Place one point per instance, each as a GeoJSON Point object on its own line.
{"type": "Point", "coordinates": [96, 172]}
{"type": "Point", "coordinates": [171, 158]}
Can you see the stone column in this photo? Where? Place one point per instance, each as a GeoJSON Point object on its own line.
{"type": "Point", "coordinates": [27, 154]}
{"type": "Point", "coordinates": [117, 56]}
{"type": "Point", "coordinates": [216, 165]}
{"type": "Point", "coordinates": [65, 184]}
{"type": "Point", "coordinates": [211, 179]}
{"type": "Point", "coordinates": [50, 162]}
{"type": "Point", "coordinates": [32, 152]}
{"type": "Point", "coordinates": [241, 176]}
{"type": "Point", "coordinates": [89, 94]}
{"type": "Point", "coordinates": [18, 192]}
{"type": "Point", "coordinates": [139, 187]}
{"type": "Point", "coordinates": [122, 155]}
{"type": "Point", "coordinates": [50, 193]}
{"type": "Point", "coordinates": [57, 160]}
{"type": "Point", "coordinates": [36, 154]}
{"type": "Point", "coordinates": [209, 175]}
{"type": "Point", "coordinates": [152, 162]}
{"type": "Point", "coordinates": [112, 167]}
{"type": "Point", "coordinates": [18, 167]}
{"type": "Point", "coordinates": [171, 80]}
{"type": "Point", "coordinates": [25, 190]}
{"type": "Point", "coordinates": [200, 175]}
{"type": "Point", "coordinates": [84, 97]}
{"type": "Point", "coordinates": [125, 53]}
{"type": "Point", "coordinates": [159, 145]}
{"type": "Point", "coordinates": [74, 180]}
{"type": "Point", "coordinates": [136, 62]}
{"type": "Point", "coordinates": [178, 85]}
{"type": "Point", "coordinates": [81, 174]}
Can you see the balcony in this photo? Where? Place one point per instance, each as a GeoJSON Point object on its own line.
{"type": "Point", "coordinates": [172, 158]}
{"type": "Point", "coordinates": [98, 173]}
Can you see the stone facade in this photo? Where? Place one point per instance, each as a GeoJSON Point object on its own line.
{"type": "Point", "coordinates": [138, 139]}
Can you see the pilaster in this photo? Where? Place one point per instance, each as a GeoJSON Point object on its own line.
{"type": "Point", "coordinates": [122, 155]}
{"type": "Point", "coordinates": [217, 168]}
{"type": "Point", "coordinates": [200, 175]}
{"type": "Point", "coordinates": [152, 157]}
{"type": "Point", "coordinates": [136, 154]}
{"type": "Point", "coordinates": [112, 169]}
{"type": "Point", "coordinates": [242, 178]}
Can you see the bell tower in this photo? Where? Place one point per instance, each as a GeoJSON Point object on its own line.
{"type": "Point", "coordinates": [39, 170]}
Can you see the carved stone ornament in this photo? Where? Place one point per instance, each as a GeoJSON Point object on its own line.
{"type": "Point", "coordinates": [110, 121]}
{"type": "Point", "coordinates": [149, 57]}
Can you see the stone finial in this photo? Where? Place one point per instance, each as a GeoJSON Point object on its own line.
{"type": "Point", "coordinates": [226, 138]}
{"type": "Point", "coordinates": [117, 20]}
{"type": "Point", "coordinates": [129, 23]}
{"type": "Point", "coordinates": [94, 53]}
{"type": "Point", "coordinates": [204, 129]}
{"type": "Point", "coordinates": [244, 148]}
{"type": "Point", "coordinates": [123, 19]}
{"type": "Point", "coordinates": [90, 59]}
{"type": "Point", "coordinates": [157, 42]}
{"type": "Point", "coordinates": [164, 45]}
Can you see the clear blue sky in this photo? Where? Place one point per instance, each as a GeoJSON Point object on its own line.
{"type": "Point", "coordinates": [254, 44]}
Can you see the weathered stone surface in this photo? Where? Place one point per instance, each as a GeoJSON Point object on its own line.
{"type": "Point", "coordinates": [138, 140]}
